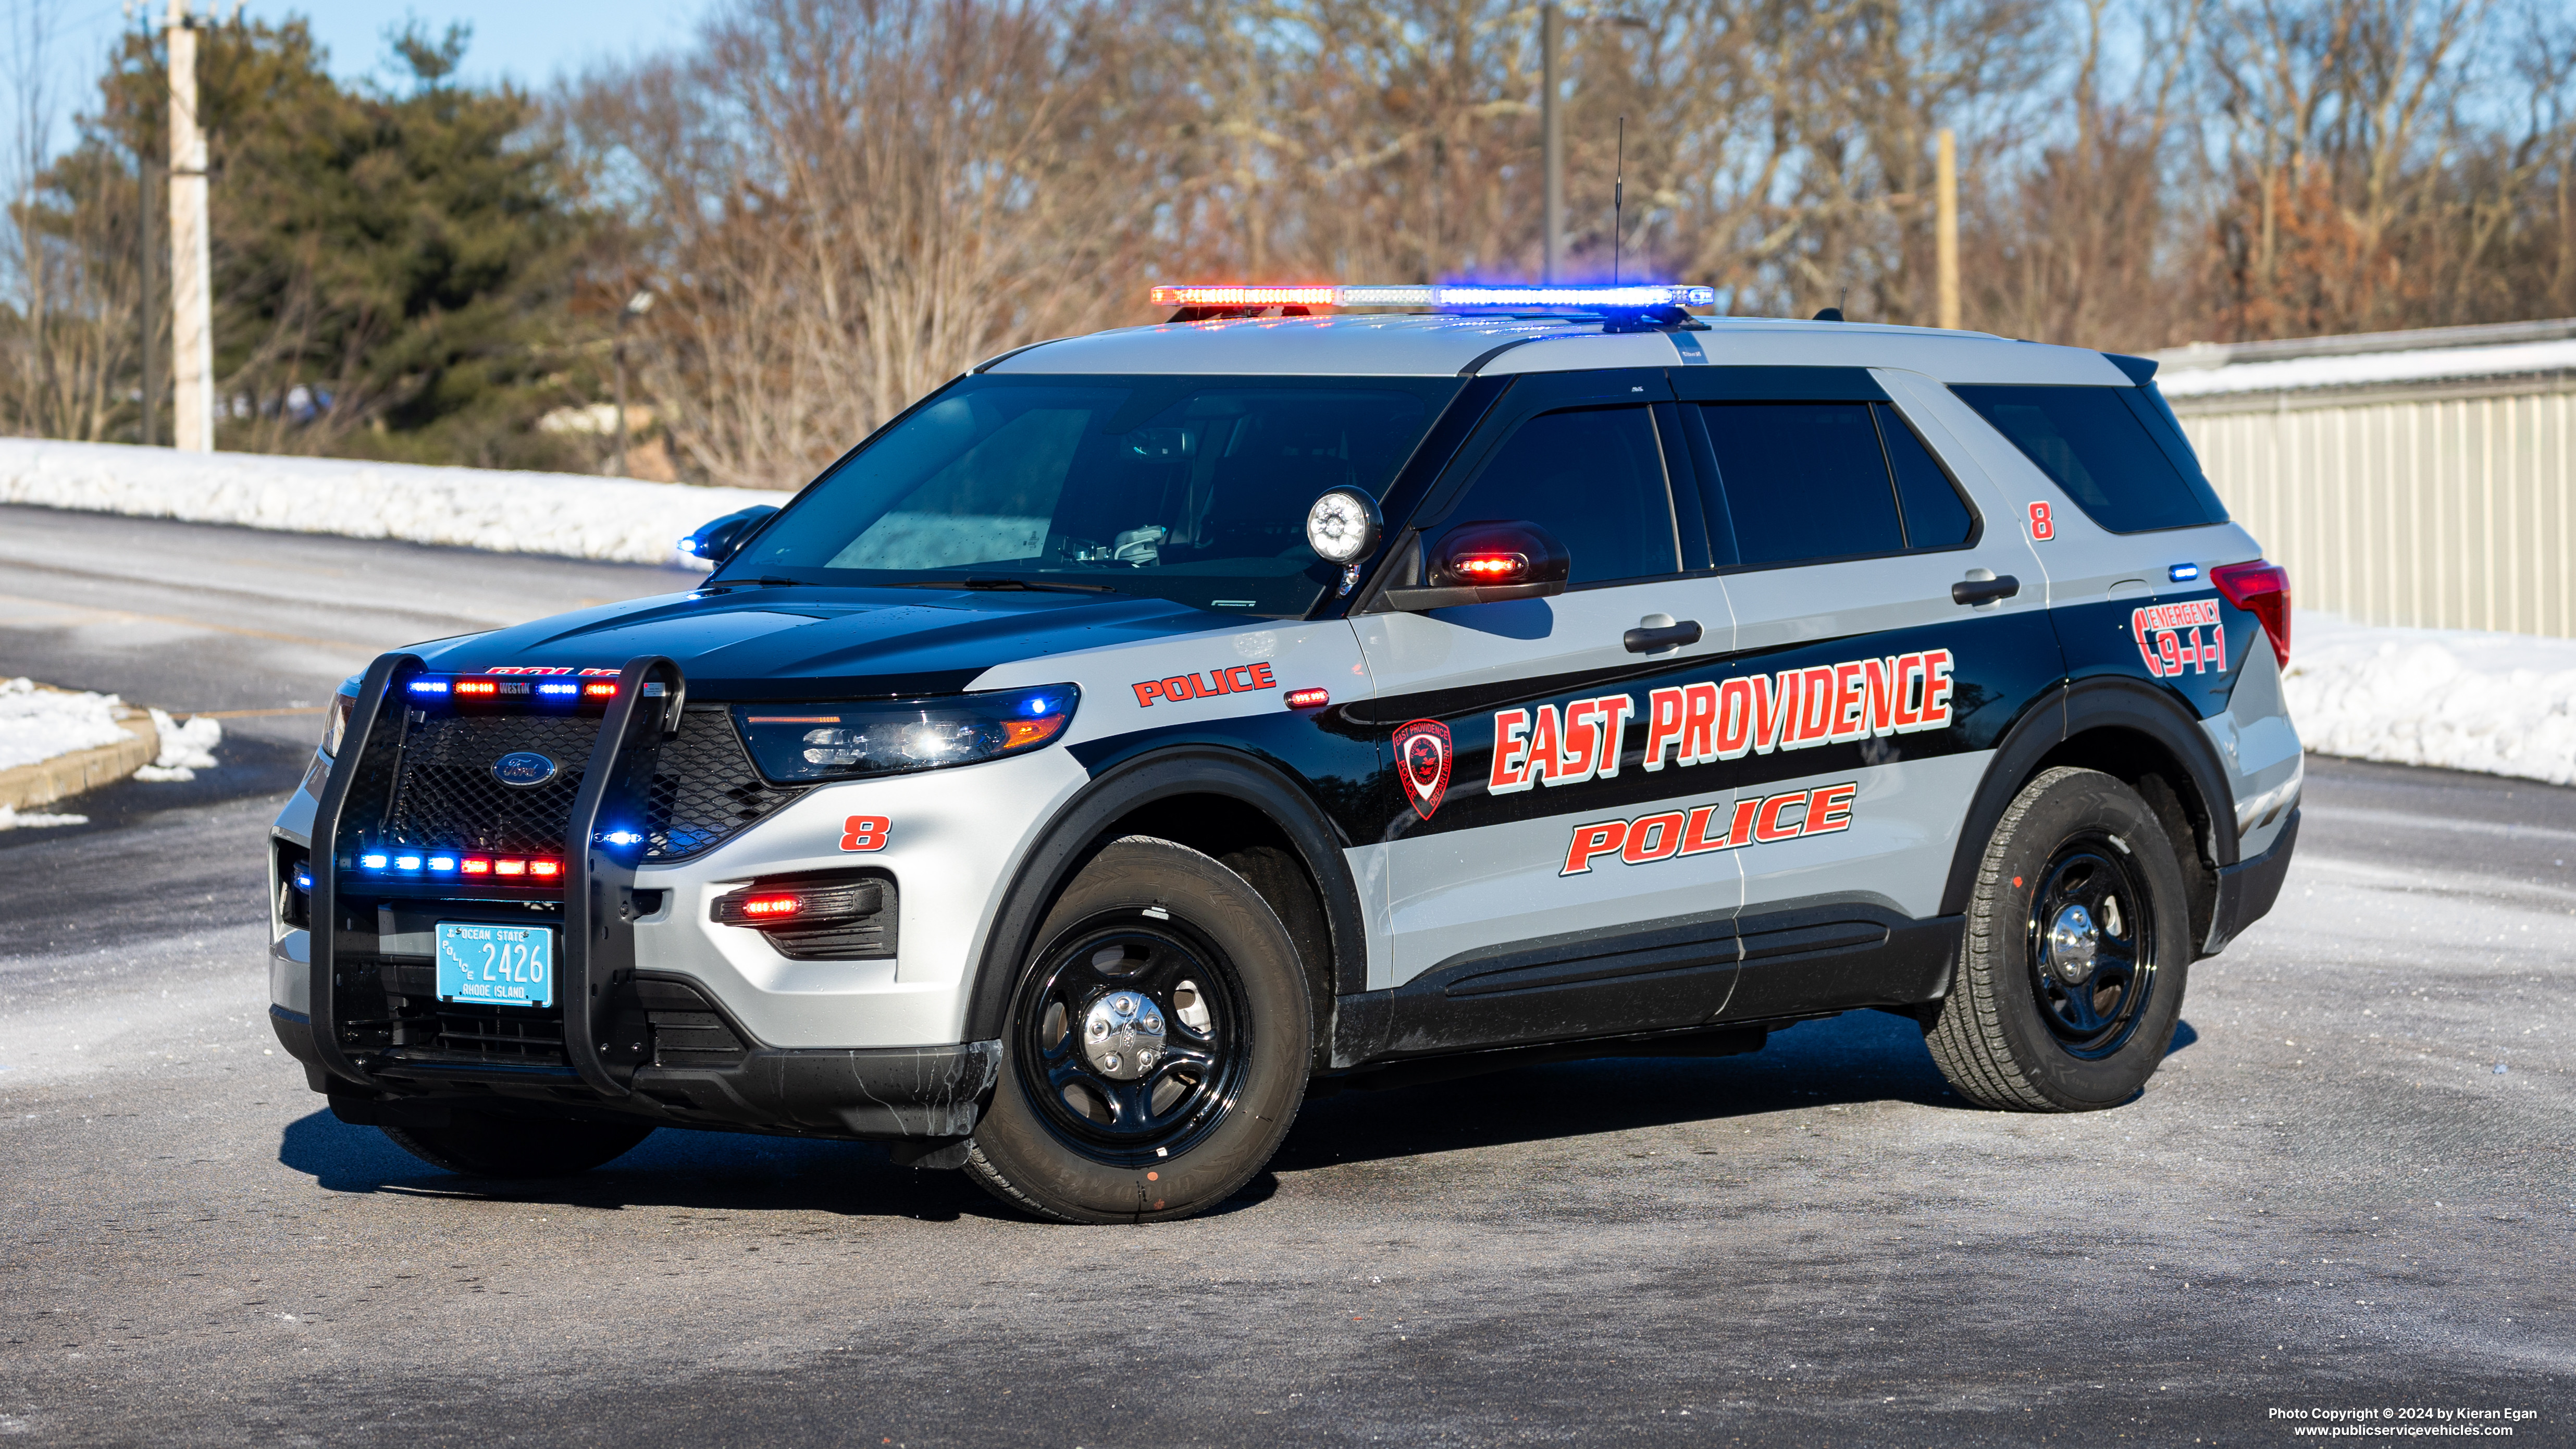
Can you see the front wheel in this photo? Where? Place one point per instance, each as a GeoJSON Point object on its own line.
{"type": "Point", "coordinates": [1156, 1048]}
{"type": "Point", "coordinates": [2078, 937]}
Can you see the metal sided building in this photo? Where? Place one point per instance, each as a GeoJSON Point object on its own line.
{"type": "Point", "coordinates": [2416, 478]}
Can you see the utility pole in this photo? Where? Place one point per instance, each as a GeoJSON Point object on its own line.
{"type": "Point", "coordinates": [636, 306]}
{"type": "Point", "coordinates": [1945, 226]}
{"type": "Point", "coordinates": [147, 181]}
{"type": "Point", "coordinates": [1551, 32]}
{"type": "Point", "coordinates": [192, 328]}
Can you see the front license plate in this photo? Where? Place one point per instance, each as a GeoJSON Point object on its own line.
{"type": "Point", "coordinates": [497, 965]}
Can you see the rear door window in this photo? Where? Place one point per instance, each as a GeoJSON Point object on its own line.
{"type": "Point", "coordinates": [1594, 477]}
{"type": "Point", "coordinates": [1796, 482]}
{"type": "Point", "coordinates": [1935, 515]}
{"type": "Point", "coordinates": [1803, 481]}
{"type": "Point", "coordinates": [2094, 443]}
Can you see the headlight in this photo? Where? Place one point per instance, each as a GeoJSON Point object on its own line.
{"type": "Point", "coordinates": [888, 737]}
{"type": "Point", "coordinates": [335, 723]}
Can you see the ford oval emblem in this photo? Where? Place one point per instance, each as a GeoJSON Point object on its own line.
{"type": "Point", "coordinates": [523, 768]}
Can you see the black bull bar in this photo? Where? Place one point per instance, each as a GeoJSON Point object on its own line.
{"type": "Point", "coordinates": [928, 1092]}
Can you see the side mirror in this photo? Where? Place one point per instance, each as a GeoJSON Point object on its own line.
{"type": "Point", "coordinates": [720, 539]}
{"type": "Point", "coordinates": [1486, 563]}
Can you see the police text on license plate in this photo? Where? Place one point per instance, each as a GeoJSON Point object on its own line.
{"type": "Point", "coordinates": [502, 965]}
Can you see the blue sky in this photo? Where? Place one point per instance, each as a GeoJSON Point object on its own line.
{"type": "Point", "coordinates": [528, 41]}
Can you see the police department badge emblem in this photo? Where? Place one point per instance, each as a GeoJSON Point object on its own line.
{"type": "Point", "coordinates": [1422, 761]}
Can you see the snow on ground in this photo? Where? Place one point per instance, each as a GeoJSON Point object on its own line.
{"type": "Point", "coordinates": [2460, 699]}
{"type": "Point", "coordinates": [38, 723]}
{"type": "Point", "coordinates": [185, 748]}
{"type": "Point", "coordinates": [569, 514]}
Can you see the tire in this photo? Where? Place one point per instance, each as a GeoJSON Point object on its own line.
{"type": "Point", "coordinates": [2078, 943]}
{"type": "Point", "coordinates": [1097, 1118]}
{"type": "Point", "coordinates": [484, 1144]}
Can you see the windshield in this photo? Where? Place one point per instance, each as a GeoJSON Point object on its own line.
{"type": "Point", "coordinates": [1193, 489]}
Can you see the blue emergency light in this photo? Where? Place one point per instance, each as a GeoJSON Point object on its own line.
{"type": "Point", "coordinates": [1572, 297]}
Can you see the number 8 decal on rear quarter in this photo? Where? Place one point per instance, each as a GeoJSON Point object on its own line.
{"type": "Point", "coordinates": [2042, 524]}
{"type": "Point", "coordinates": [865, 832]}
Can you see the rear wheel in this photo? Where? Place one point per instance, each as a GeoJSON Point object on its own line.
{"type": "Point", "coordinates": [484, 1144]}
{"type": "Point", "coordinates": [2078, 939]}
{"type": "Point", "coordinates": [1156, 1047]}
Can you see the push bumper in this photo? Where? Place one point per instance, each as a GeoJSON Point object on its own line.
{"type": "Point", "coordinates": [931, 1093]}
{"type": "Point", "coordinates": [2247, 889]}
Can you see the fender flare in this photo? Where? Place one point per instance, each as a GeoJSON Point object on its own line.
{"type": "Point", "coordinates": [1138, 781]}
{"type": "Point", "coordinates": [2084, 705]}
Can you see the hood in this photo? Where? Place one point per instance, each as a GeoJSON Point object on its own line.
{"type": "Point", "coordinates": [811, 643]}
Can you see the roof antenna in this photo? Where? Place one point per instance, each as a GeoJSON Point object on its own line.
{"type": "Point", "coordinates": [1618, 197]}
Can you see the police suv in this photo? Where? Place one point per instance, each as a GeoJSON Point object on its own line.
{"type": "Point", "coordinates": [1151, 729]}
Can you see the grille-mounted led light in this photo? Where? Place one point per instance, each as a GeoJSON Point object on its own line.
{"type": "Point", "coordinates": [600, 688]}
{"type": "Point", "coordinates": [1627, 297]}
{"type": "Point", "coordinates": [481, 688]}
{"type": "Point", "coordinates": [801, 905]}
{"type": "Point", "coordinates": [478, 865]}
{"type": "Point", "coordinates": [427, 686]}
{"type": "Point", "coordinates": [561, 689]}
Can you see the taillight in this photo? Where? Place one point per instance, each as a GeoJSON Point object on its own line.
{"type": "Point", "coordinates": [2262, 590]}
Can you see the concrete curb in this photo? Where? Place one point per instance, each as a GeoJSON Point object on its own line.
{"type": "Point", "coordinates": [63, 776]}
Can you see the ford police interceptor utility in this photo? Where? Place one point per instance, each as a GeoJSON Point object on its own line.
{"type": "Point", "coordinates": [1151, 729]}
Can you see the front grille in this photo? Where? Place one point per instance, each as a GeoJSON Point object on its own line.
{"type": "Point", "coordinates": [685, 1029]}
{"type": "Point", "coordinates": [704, 792]}
{"type": "Point", "coordinates": [509, 1034]}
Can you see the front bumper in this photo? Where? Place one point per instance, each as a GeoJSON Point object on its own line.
{"type": "Point", "coordinates": [665, 1012]}
{"type": "Point", "coordinates": [874, 1094]}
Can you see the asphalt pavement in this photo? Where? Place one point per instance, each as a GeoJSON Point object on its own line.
{"type": "Point", "coordinates": [2349, 1188]}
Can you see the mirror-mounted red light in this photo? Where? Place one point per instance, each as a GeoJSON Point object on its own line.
{"type": "Point", "coordinates": [1491, 568]}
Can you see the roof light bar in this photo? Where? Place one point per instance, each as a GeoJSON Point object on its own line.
{"type": "Point", "coordinates": [1635, 296]}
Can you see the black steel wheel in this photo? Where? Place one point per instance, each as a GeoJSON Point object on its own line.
{"type": "Point", "coordinates": [1132, 1038]}
{"type": "Point", "coordinates": [2090, 941]}
{"type": "Point", "coordinates": [2070, 980]}
{"type": "Point", "coordinates": [1156, 1048]}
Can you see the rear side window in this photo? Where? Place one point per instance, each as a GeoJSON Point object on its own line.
{"type": "Point", "coordinates": [2096, 443]}
{"type": "Point", "coordinates": [1594, 477]}
{"type": "Point", "coordinates": [1802, 481]}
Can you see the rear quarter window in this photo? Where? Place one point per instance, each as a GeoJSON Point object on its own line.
{"type": "Point", "coordinates": [2102, 445]}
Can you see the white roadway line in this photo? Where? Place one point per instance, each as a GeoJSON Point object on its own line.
{"type": "Point", "coordinates": [2412, 824]}
{"type": "Point", "coordinates": [127, 616]}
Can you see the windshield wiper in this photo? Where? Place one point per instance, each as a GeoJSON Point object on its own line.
{"type": "Point", "coordinates": [765, 581]}
{"type": "Point", "coordinates": [1003, 584]}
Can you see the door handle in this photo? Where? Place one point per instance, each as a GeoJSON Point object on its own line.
{"type": "Point", "coordinates": [1985, 590]}
{"type": "Point", "coordinates": [1658, 631]}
